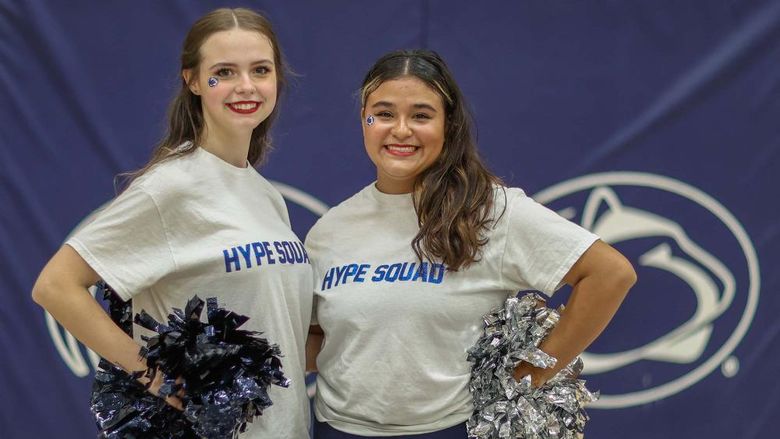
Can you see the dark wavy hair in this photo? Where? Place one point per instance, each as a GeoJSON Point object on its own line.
{"type": "Point", "coordinates": [185, 114]}
{"type": "Point", "coordinates": [454, 197]}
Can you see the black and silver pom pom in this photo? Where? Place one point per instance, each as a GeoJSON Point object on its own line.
{"type": "Point", "coordinates": [221, 373]}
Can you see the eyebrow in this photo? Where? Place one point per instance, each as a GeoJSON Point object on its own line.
{"type": "Point", "coordinates": [230, 64]}
{"type": "Point", "coordinates": [391, 105]}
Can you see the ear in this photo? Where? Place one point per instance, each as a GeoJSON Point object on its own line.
{"type": "Point", "coordinates": [363, 121]}
{"type": "Point", "coordinates": [601, 199]}
{"type": "Point", "coordinates": [189, 79]}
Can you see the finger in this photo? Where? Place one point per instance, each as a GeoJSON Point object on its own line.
{"type": "Point", "coordinates": [175, 403]}
{"type": "Point", "coordinates": [520, 373]}
{"type": "Point", "coordinates": [181, 392]}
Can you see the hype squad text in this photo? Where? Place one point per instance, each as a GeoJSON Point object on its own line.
{"type": "Point", "coordinates": [255, 254]}
{"type": "Point", "coordinates": [398, 272]}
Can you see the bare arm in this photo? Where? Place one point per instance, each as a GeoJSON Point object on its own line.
{"type": "Point", "coordinates": [600, 279]}
{"type": "Point", "coordinates": [62, 289]}
{"type": "Point", "coordinates": [313, 346]}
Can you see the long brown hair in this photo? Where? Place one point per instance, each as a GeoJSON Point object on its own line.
{"type": "Point", "coordinates": [185, 114]}
{"type": "Point", "coordinates": [454, 197]}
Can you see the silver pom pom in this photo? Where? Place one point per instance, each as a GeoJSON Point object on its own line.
{"type": "Point", "coordinates": [505, 408]}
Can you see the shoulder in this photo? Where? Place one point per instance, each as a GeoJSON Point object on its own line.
{"type": "Point", "coordinates": [515, 198]}
{"type": "Point", "coordinates": [171, 176]}
{"type": "Point", "coordinates": [347, 208]}
{"type": "Point", "coordinates": [505, 199]}
{"type": "Point", "coordinates": [513, 208]}
{"type": "Point", "coordinates": [338, 216]}
{"type": "Point", "coordinates": [274, 194]}
{"type": "Point", "coordinates": [272, 189]}
{"type": "Point", "coordinates": [509, 195]}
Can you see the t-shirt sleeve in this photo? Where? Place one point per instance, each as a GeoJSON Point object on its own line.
{"type": "Point", "coordinates": [540, 247]}
{"type": "Point", "coordinates": [126, 243]}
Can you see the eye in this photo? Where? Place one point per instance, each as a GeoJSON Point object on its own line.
{"type": "Point", "coordinates": [262, 70]}
{"type": "Point", "coordinates": [224, 72]}
{"type": "Point", "coordinates": [384, 114]}
{"type": "Point", "coordinates": [422, 116]}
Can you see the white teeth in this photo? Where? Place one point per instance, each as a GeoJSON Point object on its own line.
{"type": "Point", "coordinates": [401, 148]}
{"type": "Point", "coordinates": [244, 106]}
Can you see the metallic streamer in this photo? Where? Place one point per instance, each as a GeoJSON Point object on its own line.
{"type": "Point", "coordinates": [224, 372]}
{"type": "Point", "coordinates": [506, 408]}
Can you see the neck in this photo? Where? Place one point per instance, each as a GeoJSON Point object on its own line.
{"type": "Point", "coordinates": [393, 187]}
{"type": "Point", "coordinates": [232, 148]}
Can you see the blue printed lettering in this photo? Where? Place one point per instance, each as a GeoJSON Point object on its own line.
{"type": "Point", "coordinates": [280, 251]}
{"type": "Point", "coordinates": [362, 272]}
{"type": "Point", "coordinates": [439, 274]}
{"type": "Point", "coordinates": [350, 271]}
{"type": "Point", "coordinates": [257, 248]}
{"type": "Point", "coordinates": [399, 271]}
{"type": "Point", "coordinates": [328, 280]}
{"type": "Point", "coordinates": [422, 272]}
{"type": "Point", "coordinates": [339, 272]}
{"type": "Point", "coordinates": [379, 273]}
{"type": "Point", "coordinates": [231, 259]}
{"type": "Point", "coordinates": [297, 253]}
{"type": "Point", "coordinates": [288, 251]}
{"type": "Point", "coordinates": [408, 274]}
{"type": "Point", "coordinates": [392, 272]}
{"type": "Point", "coordinates": [245, 252]}
{"type": "Point", "coordinates": [268, 252]}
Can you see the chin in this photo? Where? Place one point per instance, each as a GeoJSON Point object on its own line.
{"type": "Point", "coordinates": [250, 124]}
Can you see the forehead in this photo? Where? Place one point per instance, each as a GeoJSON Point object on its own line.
{"type": "Point", "coordinates": [235, 45]}
{"type": "Point", "coordinates": [405, 90]}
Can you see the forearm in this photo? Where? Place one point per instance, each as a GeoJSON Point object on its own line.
{"type": "Point", "coordinates": [61, 289]}
{"type": "Point", "coordinates": [600, 280]}
{"type": "Point", "coordinates": [79, 313]}
{"type": "Point", "coordinates": [592, 304]}
{"type": "Point", "coordinates": [313, 345]}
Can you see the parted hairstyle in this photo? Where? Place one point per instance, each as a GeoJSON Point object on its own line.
{"type": "Point", "coordinates": [185, 114]}
{"type": "Point", "coordinates": [454, 197]}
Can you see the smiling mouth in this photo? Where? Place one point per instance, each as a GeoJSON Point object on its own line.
{"type": "Point", "coordinates": [243, 107]}
{"type": "Point", "coordinates": [401, 150]}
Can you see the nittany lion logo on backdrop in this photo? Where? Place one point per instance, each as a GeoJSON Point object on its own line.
{"type": "Point", "coordinates": [698, 283]}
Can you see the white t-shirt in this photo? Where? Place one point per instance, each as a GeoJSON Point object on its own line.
{"type": "Point", "coordinates": [396, 333]}
{"type": "Point", "coordinates": [198, 225]}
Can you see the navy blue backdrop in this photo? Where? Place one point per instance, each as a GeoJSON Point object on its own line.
{"type": "Point", "coordinates": [653, 123]}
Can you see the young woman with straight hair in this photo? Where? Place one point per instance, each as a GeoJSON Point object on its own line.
{"type": "Point", "coordinates": [199, 219]}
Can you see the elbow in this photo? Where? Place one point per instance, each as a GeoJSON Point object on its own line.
{"type": "Point", "coordinates": [616, 275]}
{"type": "Point", "coordinates": [64, 277]}
{"type": "Point", "coordinates": [48, 289]}
{"type": "Point", "coordinates": [624, 275]}
{"type": "Point", "coordinates": [42, 290]}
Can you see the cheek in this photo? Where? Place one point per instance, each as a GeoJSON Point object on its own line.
{"type": "Point", "coordinates": [268, 88]}
{"type": "Point", "coordinates": [378, 135]}
{"type": "Point", "coordinates": [433, 136]}
{"type": "Point", "coordinates": [218, 93]}
{"type": "Point", "coordinates": [212, 99]}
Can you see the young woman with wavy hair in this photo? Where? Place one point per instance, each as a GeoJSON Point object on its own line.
{"type": "Point", "coordinates": [188, 221]}
{"type": "Point", "coordinates": [406, 268]}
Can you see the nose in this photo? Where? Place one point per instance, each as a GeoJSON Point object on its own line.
{"type": "Point", "coordinates": [245, 85]}
{"type": "Point", "coordinates": [401, 129]}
